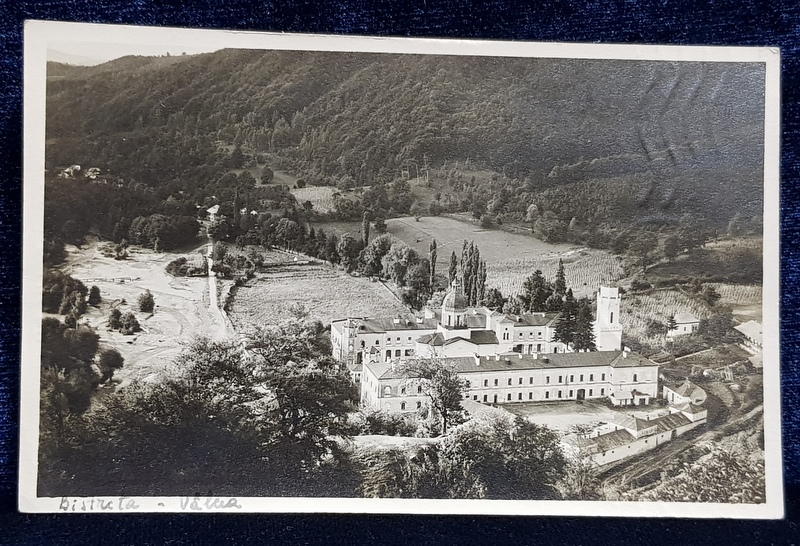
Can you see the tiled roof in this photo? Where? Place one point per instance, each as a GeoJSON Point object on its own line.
{"type": "Point", "coordinates": [534, 319]}
{"type": "Point", "coordinates": [519, 361]}
{"type": "Point", "coordinates": [752, 329]}
{"type": "Point", "coordinates": [688, 407]}
{"type": "Point", "coordinates": [618, 438]}
{"type": "Point", "coordinates": [689, 390]}
{"type": "Point", "coordinates": [670, 422]}
{"type": "Point", "coordinates": [398, 323]}
{"type": "Point", "coordinates": [631, 422]}
{"type": "Point", "coordinates": [685, 318]}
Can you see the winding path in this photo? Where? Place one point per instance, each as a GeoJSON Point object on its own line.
{"type": "Point", "coordinates": [213, 304]}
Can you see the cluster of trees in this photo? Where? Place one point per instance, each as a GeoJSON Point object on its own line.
{"type": "Point", "coordinates": [126, 323]}
{"type": "Point", "coordinates": [473, 273]}
{"type": "Point", "coordinates": [488, 457]}
{"type": "Point", "coordinates": [72, 367]}
{"type": "Point", "coordinates": [274, 430]}
{"type": "Point", "coordinates": [163, 232]}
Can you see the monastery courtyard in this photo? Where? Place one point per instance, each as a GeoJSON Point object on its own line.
{"type": "Point", "coordinates": [562, 416]}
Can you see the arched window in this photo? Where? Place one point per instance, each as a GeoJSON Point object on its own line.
{"type": "Point", "coordinates": [635, 377]}
{"type": "Point", "coordinates": [419, 404]}
{"type": "Point", "coordinates": [402, 406]}
{"type": "Point", "coordinates": [387, 391]}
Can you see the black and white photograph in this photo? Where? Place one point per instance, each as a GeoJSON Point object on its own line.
{"type": "Point", "coordinates": [297, 273]}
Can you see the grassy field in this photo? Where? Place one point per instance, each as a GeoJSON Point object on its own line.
{"type": "Point", "coordinates": [326, 292]}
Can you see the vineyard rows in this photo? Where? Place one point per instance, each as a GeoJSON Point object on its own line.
{"type": "Point", "coordinates": [584, 274]}
{"type": "Point", "coordinates": [739, 293]}
{"type": "Point", "coordinates": [638, 310]}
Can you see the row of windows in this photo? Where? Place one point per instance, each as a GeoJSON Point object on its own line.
{"type": "Point", "coordinates": [403, 405]}
{"type": "Point", "coordinates": [521, 397]}
{"type": "Point", "coordinates": [388, 341]}
{"type": "Point", "coordinates": [520, 380]}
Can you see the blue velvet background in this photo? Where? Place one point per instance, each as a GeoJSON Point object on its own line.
{"type": "Point", "coordinates": [775, 23]}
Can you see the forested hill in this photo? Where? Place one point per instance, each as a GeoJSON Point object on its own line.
{"type": "Point", "coordinates": [688, 135]}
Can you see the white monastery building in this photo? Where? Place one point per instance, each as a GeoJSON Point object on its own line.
{"type": "Point", "coordinates": [685, 324]}
{"type": "Point", "coordinates": [504, 358]}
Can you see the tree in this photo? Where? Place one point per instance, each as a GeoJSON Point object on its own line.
{"type": "Point", "coordinates": [146, 302]}
{"type": "Point", "coordinates": [114, 319]}
{"type": "Point", "coordinates": [567, 321]}
{"type": "Point", "coordinates": [583, 338]}
{"type": "Point", "coordinates": [416, 211]}
{"type": "Point", "coordinates": [494, 299]}
{"type": "Point", "coordinates": [347, 250]}
{"type": "Point", "coordinates": [372, 255]}
{"type": "Point", "coordinates": [94, 296]}
{"type": "Point", "coordinates": [380, 225]}
{"type": "Point", "coordinates": [671, 324]}
{"type": "Point", "coordinates": [398, 261]}
{"type": "Point", "coordinates": [535, 292]}
{"type": "Point", "coordinates": [560, 284]}
{"type": "Point", "coordinates": [580, 481]}
{"type": "Point", "coordinates": [710, 295]}
{"type": "Point", "coordinates": [267, 175]}
{"type": "Point", "coordinates": [643, 247]}
{"type": "Point", "coordinates": [432, 258]}
{"type": "Point", "coordinates": [440, 382]}
{"type": "Point", "coordinates": [503, 457]}
{"type": "Point", "coordinates": [672, 247]}
{"type": "Point", "coordinates": [365, 228]}
{"type": "Point", "coordinates": [128, 324]}
{"type": "Point", "coordinates": [453, 269]}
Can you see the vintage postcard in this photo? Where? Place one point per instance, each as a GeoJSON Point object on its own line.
{"type": "Point", "coordinates": [295, 273]}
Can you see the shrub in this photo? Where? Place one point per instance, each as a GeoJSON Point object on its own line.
{"type": "Point", "coordinates": [114, 319]}
{"type": "Point", "coordinates": [94, 296]}
{"type": "Point", "coordinates": [128, 324]}
{"type": "Point", "coordinates": [146, 302]}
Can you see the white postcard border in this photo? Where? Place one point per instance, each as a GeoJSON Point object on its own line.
{"type": "Point", "coordinates": [39, 34]}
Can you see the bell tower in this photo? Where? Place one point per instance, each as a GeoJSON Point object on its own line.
{"type": "Point", "coordinates": [607, 327]}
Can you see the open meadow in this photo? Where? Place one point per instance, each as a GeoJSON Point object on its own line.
{"type": "Point", "coordinates": [321, 197]}
{"type": "Point", "coordinates": [326, 292]}
{"type": "Point", "coordinates": [181, 305]}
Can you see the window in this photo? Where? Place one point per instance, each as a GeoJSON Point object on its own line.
{"type": "Point", "coordinates": [591, 377]}
{"type": "Point", "coordinates": [547, 379]}
{"type": "Point", "coordinates": [520, 335]}
{"type": "Point", "coordinates": [581, 378]}
{"type": "Point", "coordinates": [509, 381]}
{"type": "Point", "coordinates": [547, 395]}
{"type": "Point", "coordinates": [402, 406]}
{"type": "Point", "coordinates": [602, 377]}
{"type": "Point", "coordinates": [520, 381]}
{"type": "Point", "coordinates": [419, 389]}
{"type": "Point", "coordinates": [590, 392]}
{"type": "Point", "coordinates": [612, 317]}
{"type": "Point", "coordinates": [387, 391]}
{"type": "Point", "coordinates": [408, 352]}
{"type": "Point", "coordinates": [538, 347]}
{"type": "Point", "coordinates": [570, 393]}
{"type": "Point", "coordinates": [560, 378]}
{"type": "Point", "coordinates": [468, 384]}
{"type": "Point", "coordinates": [377, 342]}
{"type": "Point", "coordinates": [419, 404]}
{"type": "Point", "coordinates": [635, 376]}
{"type": "Point", "coordinates": [602, 392]}
{"type": "Point", "coordinates": [559, 394]}
{"type": "Point", "coordinates": [495, 382]}
{"type": "Point", "coordinates": [409, 338]}
{"type": "Point", "coordinates": [397, 353]}
{"type": "Point", "coordinates": [484, 398]}
{"type": "Point", "coordinates": [530, 396]}
{"type": "Point", "coordinates": [398, 339]}
{"type": "Point", "coordinates": [495, 399]}
{"type": "Point", "coordinates": [402, 390]}
{"type": "Point", "coordinates": [519, 396]}
{"type": "Point", "coordinates": [572, 379]}
{"type": "Point", "coordinates": [485, 382]}
{"type": "Point", "coordinates": [508, 397]}
{"type": "Point", "coordinates": [530, 380]}
{"type": "Point", "coordinates": [474, 396]}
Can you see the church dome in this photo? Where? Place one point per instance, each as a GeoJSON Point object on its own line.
{"type": "Point", "coordinates": [454, 301]}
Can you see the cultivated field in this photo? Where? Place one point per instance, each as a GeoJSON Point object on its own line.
{"type": "Point", "coordinates": [320, 196]}
{"type": "Point", "coordinates": [639, 309]}
{"type": "Point", "coordinates": [584, 269]}
{"type": "Point", "coordinates": [182, 305]}
{"type": "Point", "coordinates": [327, 294]}
{"type": "Point", "coordinates": [746, 300]}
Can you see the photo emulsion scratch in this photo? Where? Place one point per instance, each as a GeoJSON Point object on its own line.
{"type": "Point", "coordinates": [296, 273]}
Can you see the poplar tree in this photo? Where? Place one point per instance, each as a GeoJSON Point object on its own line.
{"type": "Point", "coordinates": [433, 263]}
{"type": "Point", "coordinates": [365, 228]}
{"type": "Point", "coordinates": [452, 271]}
{"type": "Point", "coordinates": [560, 284]}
